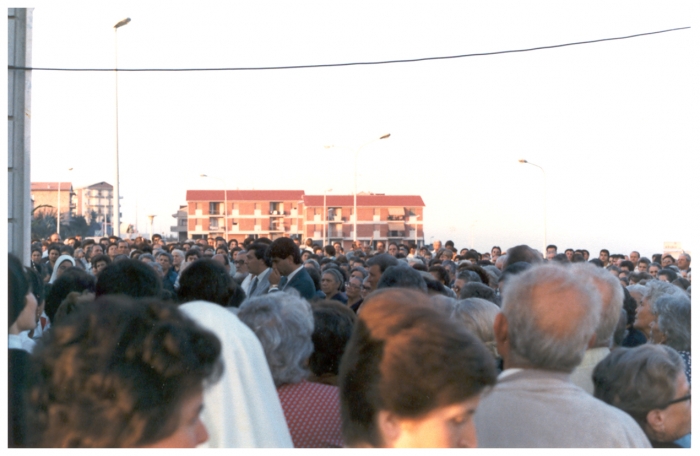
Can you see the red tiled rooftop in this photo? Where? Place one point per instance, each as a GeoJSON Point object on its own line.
{"type": "Point", "coordinates": [50, 186]}
{"type": "Point", "coordinates": [245, 195]}
{"type": "Point", "coordinates": [365, 200]}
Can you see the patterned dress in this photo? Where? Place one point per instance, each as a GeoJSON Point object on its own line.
{"type": "Point", "coordinates": [312, 411]}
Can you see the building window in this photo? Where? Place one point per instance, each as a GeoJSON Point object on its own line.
{"type": "Point", "coordinates": [276, 208]}
{"type": "Point", "coordinates": [396, 213]}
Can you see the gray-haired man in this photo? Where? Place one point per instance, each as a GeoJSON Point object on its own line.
{"type": "Point", "coordinates": [547, 320]}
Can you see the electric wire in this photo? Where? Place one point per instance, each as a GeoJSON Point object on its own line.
{"type": "Point", "coordinates": [329, 65]}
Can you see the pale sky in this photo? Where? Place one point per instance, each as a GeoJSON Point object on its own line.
{"type": "Point", "coordinates": [614, 124]}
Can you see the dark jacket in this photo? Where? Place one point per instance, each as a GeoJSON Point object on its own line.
{"type": "Point", "coordinates": [303, 283]}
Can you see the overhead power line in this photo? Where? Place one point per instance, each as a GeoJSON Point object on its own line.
{"type": "Point", "coordinates": [327, 65]}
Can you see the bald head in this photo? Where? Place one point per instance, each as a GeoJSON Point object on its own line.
{"type": "Point", "coordinates": [548, 318]}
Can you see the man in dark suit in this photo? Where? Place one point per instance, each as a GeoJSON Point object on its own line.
{"type": "Point", "coordinates": [259, 266]}
{"type": "Point", "coordinates": [288, 271]}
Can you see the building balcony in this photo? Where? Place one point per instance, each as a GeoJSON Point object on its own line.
{"type": "Point", "coordinates": [335, 233]}
{"type": "Point", "coordinates": [178, 229]}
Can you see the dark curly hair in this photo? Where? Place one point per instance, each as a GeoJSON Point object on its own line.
{"type": "Point", "coordinates": [205, 280]}
{"type": "Point", "coordinates": [282, 248]}
{"type": "Point", "coordinates": [333, 323]}
{"type": "Point", "coordinates": [74, 279]}
{"type": "Point", "coordinates": [129, 277]}
{"type": "Point", "coordinates": [116, 373]}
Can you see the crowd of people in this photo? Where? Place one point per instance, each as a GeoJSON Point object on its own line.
{"type": "Point", "coordinates": [283, 343]}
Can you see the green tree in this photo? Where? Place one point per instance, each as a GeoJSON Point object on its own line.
{"type": "Point", "coordinates": [78, 226]}
{"type": "Point", "coordinates": [43, 224]}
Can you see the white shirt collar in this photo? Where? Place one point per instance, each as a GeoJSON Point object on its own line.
{"type": "Point", "coordinates": [289, 277]}
{"type": "Point", "coordinates": [509, 372]}
{"type": "Point", "coordinates": [262, 274]}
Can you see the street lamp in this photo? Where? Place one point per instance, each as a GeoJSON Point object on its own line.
{"type": "Point", "coordinates": [115, 219]}
{"type": "Point", "coordinates": [225, 203]}
{"type": "Point", "coordinates": [415, 233]}
{"type": "Point", "coordinates": [150, 220]}
{"type": "Point", "coordinates": [58, 206]}
{"type": "Point", "coordinates": [544, 175]}
{"type": "Point", "coordinates": [354, 200]}
{"type": "Point", "coordinates": [325, 216]}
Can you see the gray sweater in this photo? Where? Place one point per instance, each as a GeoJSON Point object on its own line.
{"type": "Point", "coordinates": [534, 408]}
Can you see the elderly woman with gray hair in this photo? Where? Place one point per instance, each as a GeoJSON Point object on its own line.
{"type": "Point", "coordinates": [648, 383]}
{"type": "Point", "coordinates": [478, 316]}
{"type": "Point", "coordinates": [332, 284]}
{"type": "Point", "coordinates": [284, 324]}
{"type": "Point", "coordinates": [672, 325]}
{"type": "Point", "coordinates": [645, 314]}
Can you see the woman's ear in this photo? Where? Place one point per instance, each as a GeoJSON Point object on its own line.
{"type": "Point", "coordinates": [389, 428]}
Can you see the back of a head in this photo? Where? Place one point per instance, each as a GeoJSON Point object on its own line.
{"type": "Point", "coordinates": [478, 290]}
{"type": "Point", "coordinates": [657, 288]}
{"type": "Point", "coordinates": [402, 277]}
{"type": "Point", "coordinates": [551, 317]}
{"type": "Point", "coordinates": [284, 324]}
{"type": "Point", "coordinates": [74, 302]}
{"type": "Point", "coordinates": [205, 280]}
{"type": "Point", "coordinates": [478, 316]}
{"type": "Point", "coordinates": [132, 278]}
{"type": "Point", "coordinates": [638, 380]}
{"type": "Point", "coordinates": [561, 258]}
{"type": "Point", "coordinates": [333, 323]}
{"type": "Point", "coordinates": [383, 260]}
{"type": "Point", "coordinates": [523, 253]}
{"type": "Point", "coordinates": [18, 287]}
{"type": "Point", "coordinates": [407, 358]}
{"type": "Point", "coordinates": [611, 295]}
{"type": "Point", "coordinates": [513, 269]}
{"type": "Point", "coordinates": [468, 275]}
{"type": "Point", "coordinates": [315, 275]}
{"type": "Point", "coordinates": [669, 273]}
{"type": "Point", "coordinates": [132, 363]}
{"type": "Point", "coordinates": [73, 279]}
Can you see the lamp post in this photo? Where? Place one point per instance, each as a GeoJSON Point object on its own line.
{"type": "Point", "coordinates": [325, 216]}
{"type": "Point", "coordinates": [415, 233]}
{"type": "Point", "coordinates": [150, 220]}
{"type": "Point", "coordinates": [225, 203]}
{"type": "Point", "coordinates": [58, 206]}
{"type": "Point", "coordinates": [115, 219]}
{"type": "Point", "coordinates": [354, 200]}
{"type": "Point", "coordinates": [544, 175]}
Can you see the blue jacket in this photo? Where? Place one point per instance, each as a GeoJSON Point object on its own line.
{"type": "Point", "coordinates": [303, 283]}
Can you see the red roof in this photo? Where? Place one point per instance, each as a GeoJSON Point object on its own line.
{"type": "Point", "coordinates": [365, 200]}
{"type": "Point", "coordinates": [50, 186]}
{"type": "Point", "coordinates": [245, 195]}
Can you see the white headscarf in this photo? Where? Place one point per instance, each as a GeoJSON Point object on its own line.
{"type": "Point", "coordinates": [243, 409]}
{"type": "Point", "coordinates": [58, 262]}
